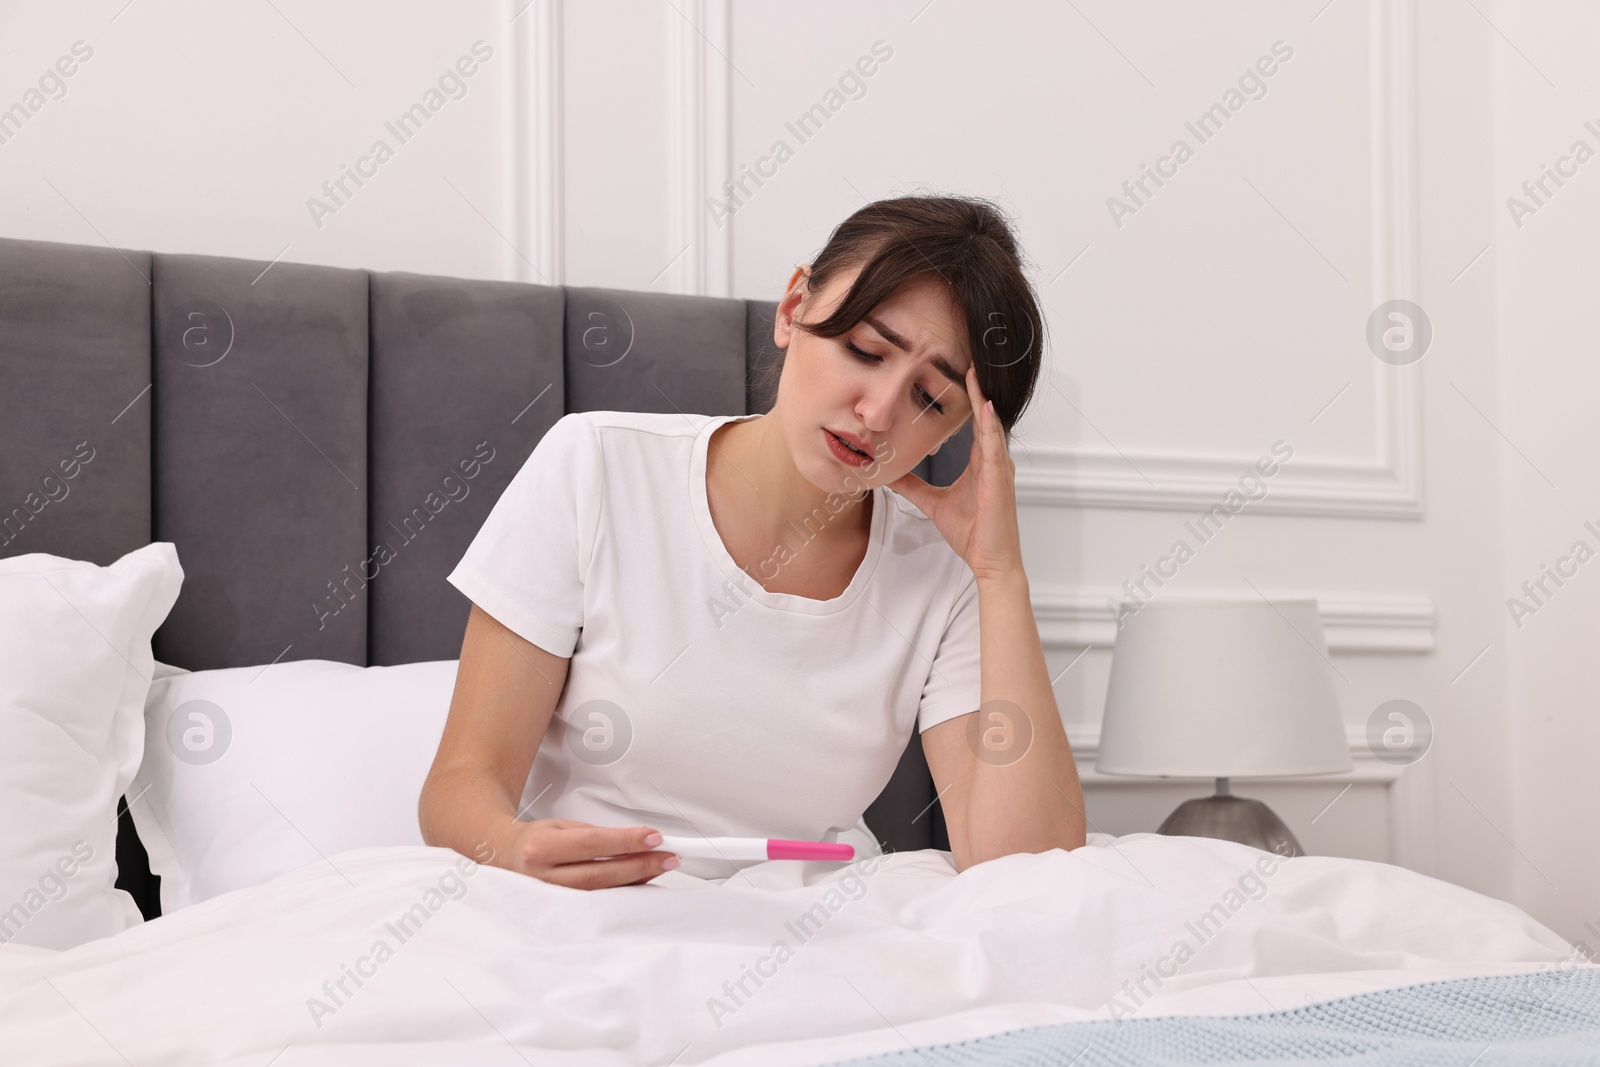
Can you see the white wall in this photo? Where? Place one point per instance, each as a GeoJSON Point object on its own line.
{"type": "Point", "coordinates": [1226, 314]}
{"type": "Point", "coordinates": [1545, 276]}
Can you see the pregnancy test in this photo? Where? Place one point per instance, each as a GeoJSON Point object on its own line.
{"type": "Point", "coordinates": [755, 848]}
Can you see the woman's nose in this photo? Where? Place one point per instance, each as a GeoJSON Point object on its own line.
{"type": "Point", "coordinates": [876, 408]}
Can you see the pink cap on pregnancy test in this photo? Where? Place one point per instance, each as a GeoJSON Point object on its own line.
{"type": "Point", "coordinates": [779, 849]}
{"type": "Point", "coordinates": [756, 848]}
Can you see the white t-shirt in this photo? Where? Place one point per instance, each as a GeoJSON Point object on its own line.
{"type": "Point", "coordinates": [696, 701]}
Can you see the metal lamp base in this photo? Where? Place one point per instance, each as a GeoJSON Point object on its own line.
{"type": "Point", "coordinates": [1231, 818]}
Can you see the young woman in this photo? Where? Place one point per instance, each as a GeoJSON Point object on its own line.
{"type": "Point", "coordinates": [730, 625]}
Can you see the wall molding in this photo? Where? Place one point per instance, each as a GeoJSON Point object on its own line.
{"type": "Point", "coordinates": [1389, 487]}
{"type": "Point", "coordinates": [699, 145]}
{"type": "Point", "coordinates": [531, 168]}
{"type": "Point", "coordinates": [1413, 818]}
{"type": "Point", "coordinates": [1351, 622]}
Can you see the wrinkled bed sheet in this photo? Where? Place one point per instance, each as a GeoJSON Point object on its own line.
{"type": "Point", "coordinates": [416, 955]}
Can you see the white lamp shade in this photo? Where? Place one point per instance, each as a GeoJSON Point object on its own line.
{"type": "Point", "coordinates": [1222, 689]}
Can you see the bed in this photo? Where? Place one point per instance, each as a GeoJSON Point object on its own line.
{"type": "Point", "coordinates": [268, 419]}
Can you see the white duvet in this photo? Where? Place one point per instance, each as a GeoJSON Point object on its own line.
{"type": "Point", "coordinates": [416, 955]}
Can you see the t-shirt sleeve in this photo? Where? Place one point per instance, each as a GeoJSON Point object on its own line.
{"type": "Point", "coordinates": [955, 682]}
{"type": "Point", "coordinates": [526, 566]}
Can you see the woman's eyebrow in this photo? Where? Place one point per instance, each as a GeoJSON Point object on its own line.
{"type": "Point", "coordinates": [939, 362]}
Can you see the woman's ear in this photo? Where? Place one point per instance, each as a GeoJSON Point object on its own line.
{"type": "Point", "coordinates": [794, 294]}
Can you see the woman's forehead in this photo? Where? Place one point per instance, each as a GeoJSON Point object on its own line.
{"type": "Point", "coordinates": [923, 310]}
{"type": "Point", "coordinates": [922, 322]}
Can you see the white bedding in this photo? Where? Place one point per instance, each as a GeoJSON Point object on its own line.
{"type": "Point", "coordinates": [908, 952]}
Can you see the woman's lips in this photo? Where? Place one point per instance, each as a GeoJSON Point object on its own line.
{"type": "Point", "coordinates": [845, 454]}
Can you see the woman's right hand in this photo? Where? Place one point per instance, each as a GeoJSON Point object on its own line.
{"type": "Point", "coordinates": [579, 855]}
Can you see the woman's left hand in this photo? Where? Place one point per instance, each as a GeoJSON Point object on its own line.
{"type": "Point", "coordinates": [977, 514]}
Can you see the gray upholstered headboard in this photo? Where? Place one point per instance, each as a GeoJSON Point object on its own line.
{"type": "Point", "coordinates": [279, 422]}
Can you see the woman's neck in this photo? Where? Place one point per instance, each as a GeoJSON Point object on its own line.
{"type": "Point", "coordinates": [751, 465]}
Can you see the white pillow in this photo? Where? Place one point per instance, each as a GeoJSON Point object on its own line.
{"type": "Point", "coordinates": [253, 771]}
{"type": "Point", "coordinates": [75, 666]}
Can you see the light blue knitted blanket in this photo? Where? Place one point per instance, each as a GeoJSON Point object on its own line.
{"type": "Point", "coordinates": [1546, 1017]}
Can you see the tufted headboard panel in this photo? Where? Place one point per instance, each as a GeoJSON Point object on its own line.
{"type": "Point", "coordinates": [280, 422]}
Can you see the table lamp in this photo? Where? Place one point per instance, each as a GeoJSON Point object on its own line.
{"type": "Point", "coordinates": [1223, 689]}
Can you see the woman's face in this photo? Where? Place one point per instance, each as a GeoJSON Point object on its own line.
{"type": "Point", "coordinates": [895, 384]}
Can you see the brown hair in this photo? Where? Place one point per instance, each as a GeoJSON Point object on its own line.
{"type": "Point", "coordinates": [964, 242]}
